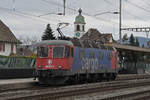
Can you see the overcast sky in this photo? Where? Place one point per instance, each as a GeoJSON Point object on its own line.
{"type": "Point", "coordinates": [21, 16]}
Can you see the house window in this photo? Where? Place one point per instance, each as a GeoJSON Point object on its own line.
{"type": "Point", "coordinates": [2, 46]}
{"type": "Point", "coordinates": [78, 27]}
{"type": "Point", "coordinates": [12, 48]}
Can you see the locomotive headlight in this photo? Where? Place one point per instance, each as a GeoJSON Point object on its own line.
{"type": "Point", "coordinates": [59, 67]}
{"type": "Point", "coordinates": [40, 66]}
{"type": "Point", "coordinates": [46, 66]}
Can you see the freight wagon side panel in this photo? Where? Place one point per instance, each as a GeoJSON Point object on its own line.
{"type": "Point", "coordinates": [92, 59]}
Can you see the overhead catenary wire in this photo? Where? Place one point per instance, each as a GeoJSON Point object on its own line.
{"type": "Point", "coordinates": [69, 8]}
{"type": "Point", "coordinates": [135, 16]}
{"type": "Point", "coordinates": [72, 9]}
{"type": "Point", "coordinates": [54, 3]}
{"type": "Point", "coordinates": [146, 10]}
{"type": "Point", "coordinates": [108, 2]}
{"type": "Point", "coordinates": [28, 16]}
{"type": "Point", "coordinates": [31, 16]}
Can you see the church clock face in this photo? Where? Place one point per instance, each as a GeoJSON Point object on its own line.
{"type": "Point", "coordinates": [77, 34]}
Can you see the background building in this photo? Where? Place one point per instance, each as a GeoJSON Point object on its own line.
{"type": "Point", "coordinates": [7, 41]}
{"type": "Point", "coordinates": [94, 35]}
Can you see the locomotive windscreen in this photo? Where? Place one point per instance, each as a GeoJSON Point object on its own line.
{"type": "Point", "coordinates": [58, 52]}
{"type": "Point", "coordinates": [42, 51]}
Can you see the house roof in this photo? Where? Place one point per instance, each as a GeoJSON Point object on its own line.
{"type": "Point", "coordinates": [6, 35]}
{"type": "Point", "coordinates": [128, 48]}
{"type": "Point", "coordinates": [95, 35]}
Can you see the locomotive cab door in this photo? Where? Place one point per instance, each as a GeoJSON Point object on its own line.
{"type": "Point", "coordinates": [69, 53]}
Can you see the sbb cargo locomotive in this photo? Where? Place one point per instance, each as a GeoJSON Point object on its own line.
{"type": "Point", "coordinates": [59, 61]}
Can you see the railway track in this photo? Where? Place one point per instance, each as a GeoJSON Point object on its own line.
{"type": "Point", "coordinates": [48, 93]}
{"type": "Point", "coordinates": [69, 91]}
{"type": "Point", "coordinates": [29, 85]}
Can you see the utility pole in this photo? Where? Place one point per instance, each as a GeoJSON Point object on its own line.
{"type": "Point", "coordinates": [64, 6]}
{"type": "Point", "coordinates": [120, 35]}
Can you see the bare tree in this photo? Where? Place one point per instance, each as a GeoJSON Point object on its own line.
{"type": "Point", "coordinates": [29, 39]}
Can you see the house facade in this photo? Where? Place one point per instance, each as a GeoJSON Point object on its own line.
{"type": "Point", "coordinates": [8, 42]}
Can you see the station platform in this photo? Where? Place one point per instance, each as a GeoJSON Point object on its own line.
{"type": "Point", "coordinates": [15, 81]}
{"type": "Point", "coordinates": [8, 84]}
{"type": "Point", "coordinates": [13, 73]}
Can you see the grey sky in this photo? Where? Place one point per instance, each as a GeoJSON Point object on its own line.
{"type": "Point", "coordinates": [29, 24]}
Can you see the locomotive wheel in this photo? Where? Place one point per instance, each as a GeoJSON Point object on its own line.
{"type": "Point", "coordinates": [91, 78]}
{"type": "Point", "coordinates": [99, 77]}
{"type": "Point", "coordinates": [53, 81]}
{"type": "Point", "coordinates": [114, 76]}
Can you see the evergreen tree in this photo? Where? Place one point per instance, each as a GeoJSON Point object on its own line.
{"type": "Point", "coordinates": [125, 37]}
{"type": "Point", "coordinates": [137, 42]}
{"type": "Point", "coordinates": [132, 40]}
{"type": "Point", "coordinates": [48, 34]}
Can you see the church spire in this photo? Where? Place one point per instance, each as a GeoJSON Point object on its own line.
{"type": "Point", "coordinates": [79, 25]}
{"type": "Point", "coordinates": [80, 11]}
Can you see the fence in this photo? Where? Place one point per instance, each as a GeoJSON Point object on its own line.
{"type": "Point", "coordinates": [16, 67]}
{"type": "Point", "coordinates": [134, 68]}
{"type": "Point", "coordinates": [17, 62]}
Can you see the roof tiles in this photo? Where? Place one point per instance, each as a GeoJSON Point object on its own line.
{"type": "Point", "coordinates": [6, 35]}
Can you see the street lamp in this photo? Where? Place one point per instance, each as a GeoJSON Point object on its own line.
{"type": "Point", "coordinates": [106, 13]}
{"type": "Point", "coordinates": [50, 14]}
{"type": "Point", "coordinates": [120, 27]}
{"type": "Point", "coordinates": [119, 21]}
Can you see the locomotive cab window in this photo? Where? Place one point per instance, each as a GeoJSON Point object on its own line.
{"type": "Point", "coordinates": [58, 52]}
{"type": "Point", "coordinates": [72, 52]}
{"type": "Point", "coordinates": [43, 52]}
{"type": "Point", "coordinates": [67, 51]}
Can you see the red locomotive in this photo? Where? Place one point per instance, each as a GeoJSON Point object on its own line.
{"type": "Point", "coordinates": [60, 61]}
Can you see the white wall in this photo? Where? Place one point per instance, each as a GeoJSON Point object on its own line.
{"type": "Point", "coordinates": [8, 49]}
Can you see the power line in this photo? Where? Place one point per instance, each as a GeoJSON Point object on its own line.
{"type": "Point", "coordinates": [108, 2]}
{"type": "Point", "coordinates": [54, 3]}
{"type": "Point", "coordinates": [137, 17]}
{"type": "Point", "coordinates": [102, 19]}
{"type": "Point", "coordinates": [19, 13]}
{"type": "Point", "coordinates": [50, 2]}
{"type": "Point", "coordinates": [146, 10]}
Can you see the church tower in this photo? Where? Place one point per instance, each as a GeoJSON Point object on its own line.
{"type": "Point", "coordinates": [79, 25]}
